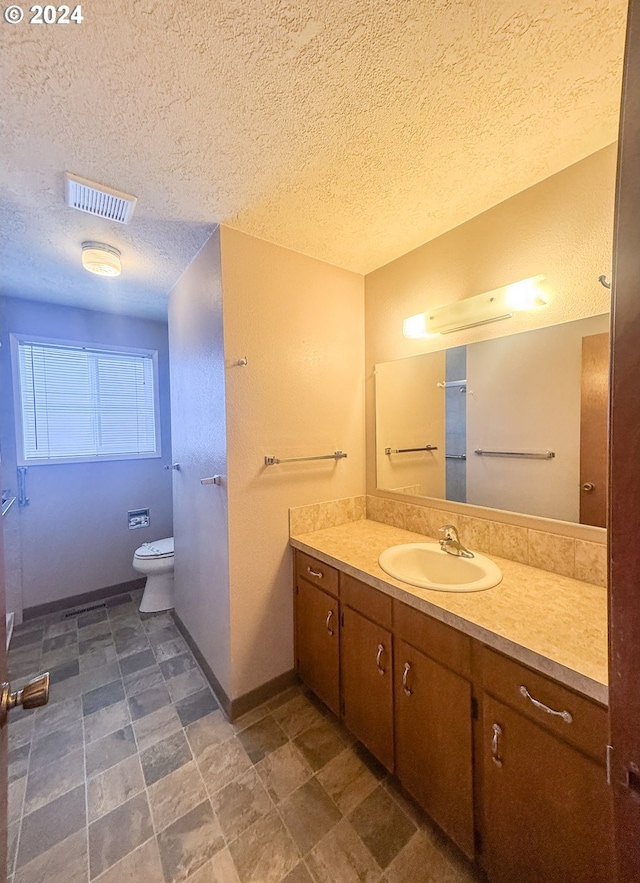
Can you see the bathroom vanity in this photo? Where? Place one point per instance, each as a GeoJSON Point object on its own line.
{"type": "Point", "coordinates": [489, 708]}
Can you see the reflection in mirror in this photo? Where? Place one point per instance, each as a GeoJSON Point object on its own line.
{"type": "Point", "coordinates": [516, 422]}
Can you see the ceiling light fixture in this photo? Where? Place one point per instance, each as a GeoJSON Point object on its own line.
{"type": "Point", "coordinates": [492, 306]}
{"type": "Point", "coordinates": [104, 260]}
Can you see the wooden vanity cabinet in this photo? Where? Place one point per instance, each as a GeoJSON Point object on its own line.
{"type": "Point", "coordinates": [366, 665]}
{"type": "Point", "coordinates": [317, 629]}
{"type": "Point", "coordinates": [521, 789]}
{"type": "Point", "coordinates": [545, 801]}
{"type": "Point", "coordinates": [433, 716]}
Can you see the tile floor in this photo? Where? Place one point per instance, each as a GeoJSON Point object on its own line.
{"type": "Point", "coordinates": [132, 773]}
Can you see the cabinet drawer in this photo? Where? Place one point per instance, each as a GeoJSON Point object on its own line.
{"type": "Point", "coordinates": [437, 640]}
{"type": "Point", "coordinates": [370, 602]}
{"type": "Point", "coordinates": [317, 572]}
{"type": "Point", "coordinates": [588, 730]}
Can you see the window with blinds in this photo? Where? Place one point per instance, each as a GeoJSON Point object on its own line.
{"type": "Point", "coordinates": [79, 403]}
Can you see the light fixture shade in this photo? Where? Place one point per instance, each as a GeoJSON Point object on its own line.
{"type": "Point", "coordinates": [492, 306]}
{"type": "Point", "coordinates": [525, 295]}
{"type": "Point", "coordinates": [415, 327]}
{"type": "Point", "coordinates": [104, 260]}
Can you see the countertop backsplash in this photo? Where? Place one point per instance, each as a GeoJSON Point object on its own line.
{"type": "Point", "coordinates": [549, 550]}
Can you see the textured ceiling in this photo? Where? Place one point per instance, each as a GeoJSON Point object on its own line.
{"type": "Point", "coordinates": [349, 130]}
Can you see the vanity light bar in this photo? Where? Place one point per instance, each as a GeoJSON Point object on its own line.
{"type": "Point", "coordinates": [449, 329]}
{"type": "Point", "coordinates": [482, 309]}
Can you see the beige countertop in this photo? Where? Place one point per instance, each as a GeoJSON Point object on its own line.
{"type": "Point", "coordinates": [552, 623]}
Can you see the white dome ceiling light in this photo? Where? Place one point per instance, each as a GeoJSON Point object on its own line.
{"type": "Point", "coordinates": [104, 260]}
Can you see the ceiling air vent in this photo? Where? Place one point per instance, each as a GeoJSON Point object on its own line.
{"type": "Point", "coordinates": [87, 196]}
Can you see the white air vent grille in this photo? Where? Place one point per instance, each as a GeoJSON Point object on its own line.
{"type": "Point", "coordinates": [87, 196]}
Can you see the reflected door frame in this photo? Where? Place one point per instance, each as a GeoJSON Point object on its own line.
{"type": "Point", "coordinates": [624, 475]}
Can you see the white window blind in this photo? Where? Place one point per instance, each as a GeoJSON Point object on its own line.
{"type": "Point", "coordinates": [81, 403]}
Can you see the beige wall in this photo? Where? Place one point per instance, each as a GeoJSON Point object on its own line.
{"type": "Point", "coordinates": [299, 322]}
{"type": "Point", "coordinates": [561, 228]}
{"type": "Point", "coordinates": [200, 515]}
{"type": "Point", "coordinates": [524, 395]}
{"type": "Point", "coordinates": [410, 414]}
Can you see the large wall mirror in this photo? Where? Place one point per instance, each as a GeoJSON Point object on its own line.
{"type": "Point", "coordinates": [517, 423]}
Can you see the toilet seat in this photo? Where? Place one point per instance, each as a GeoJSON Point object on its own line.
{"type": "Point", "coordinates": [157, 549]}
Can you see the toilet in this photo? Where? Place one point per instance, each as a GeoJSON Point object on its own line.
{"type": "Point", "coordinates": [155, 560]}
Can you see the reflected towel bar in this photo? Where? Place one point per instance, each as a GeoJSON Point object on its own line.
{"type": "Point", "coordinates": [525, 455]}
{"type": "Point", "coordinates": [272, 461]}
{"type": "Point", "coordinates": [410, 450]}
{"type": "Point", "coordinates": [455, 456]}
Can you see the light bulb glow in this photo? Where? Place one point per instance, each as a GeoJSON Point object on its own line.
{"type": "Point", "coordinates": [415, 327]}
{"type": "Point", "coordinates": [525, 295]}
{"type": "Point", "coordinates": [103, 260]}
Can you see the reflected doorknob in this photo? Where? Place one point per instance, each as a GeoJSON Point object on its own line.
{"type": "Point", "coordinates": [33, 695]}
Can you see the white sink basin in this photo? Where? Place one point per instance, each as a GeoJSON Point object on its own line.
{"type": "Point", "coordinates": [428, 566]}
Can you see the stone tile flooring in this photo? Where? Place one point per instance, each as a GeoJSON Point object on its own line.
{"type": "Point", "coordinates": [133, 773]}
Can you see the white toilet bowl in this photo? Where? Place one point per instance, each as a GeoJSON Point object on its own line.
{"type": "Point", "coordinates": [155, 560]}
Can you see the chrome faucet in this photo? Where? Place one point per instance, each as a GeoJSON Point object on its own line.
{"type": "Point", "coordinates": [451, 542]}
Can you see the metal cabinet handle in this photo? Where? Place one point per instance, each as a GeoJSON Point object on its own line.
{"type": "Point", "coordinates": [381, 670]}
{"type": "Point", "coordinates": [405, 674]}
{"type": "Point", "coordinates": [317, 573]}
{"type": "Point", "coordinates": [588, 487]}
{"type": "Point", "coordinates": [328, 623]}
{"type": "Point", "coordinates": [566, 716]}
{"type": "Point", "coordinates": [496, 731]}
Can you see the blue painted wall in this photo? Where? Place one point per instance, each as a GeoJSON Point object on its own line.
{"type": "Point", "coordinates": [74, 536]}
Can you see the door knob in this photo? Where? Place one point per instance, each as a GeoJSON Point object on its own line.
{"type": "Point", "coordinates": [588, 486]}
{"type": "Point", "coordinates": [175, 466]}
{"type": "Point", "coordinates": [33, 695]}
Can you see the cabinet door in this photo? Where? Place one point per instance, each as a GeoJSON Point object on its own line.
{"type": "Point", "coordinates": [547, 816]}
{"type": "Point", "coordinates": [367, 683]}
{"type": "Point", "coordinates": [433, 741]}
{"type": "Point", "coordinates": [317, 655]}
